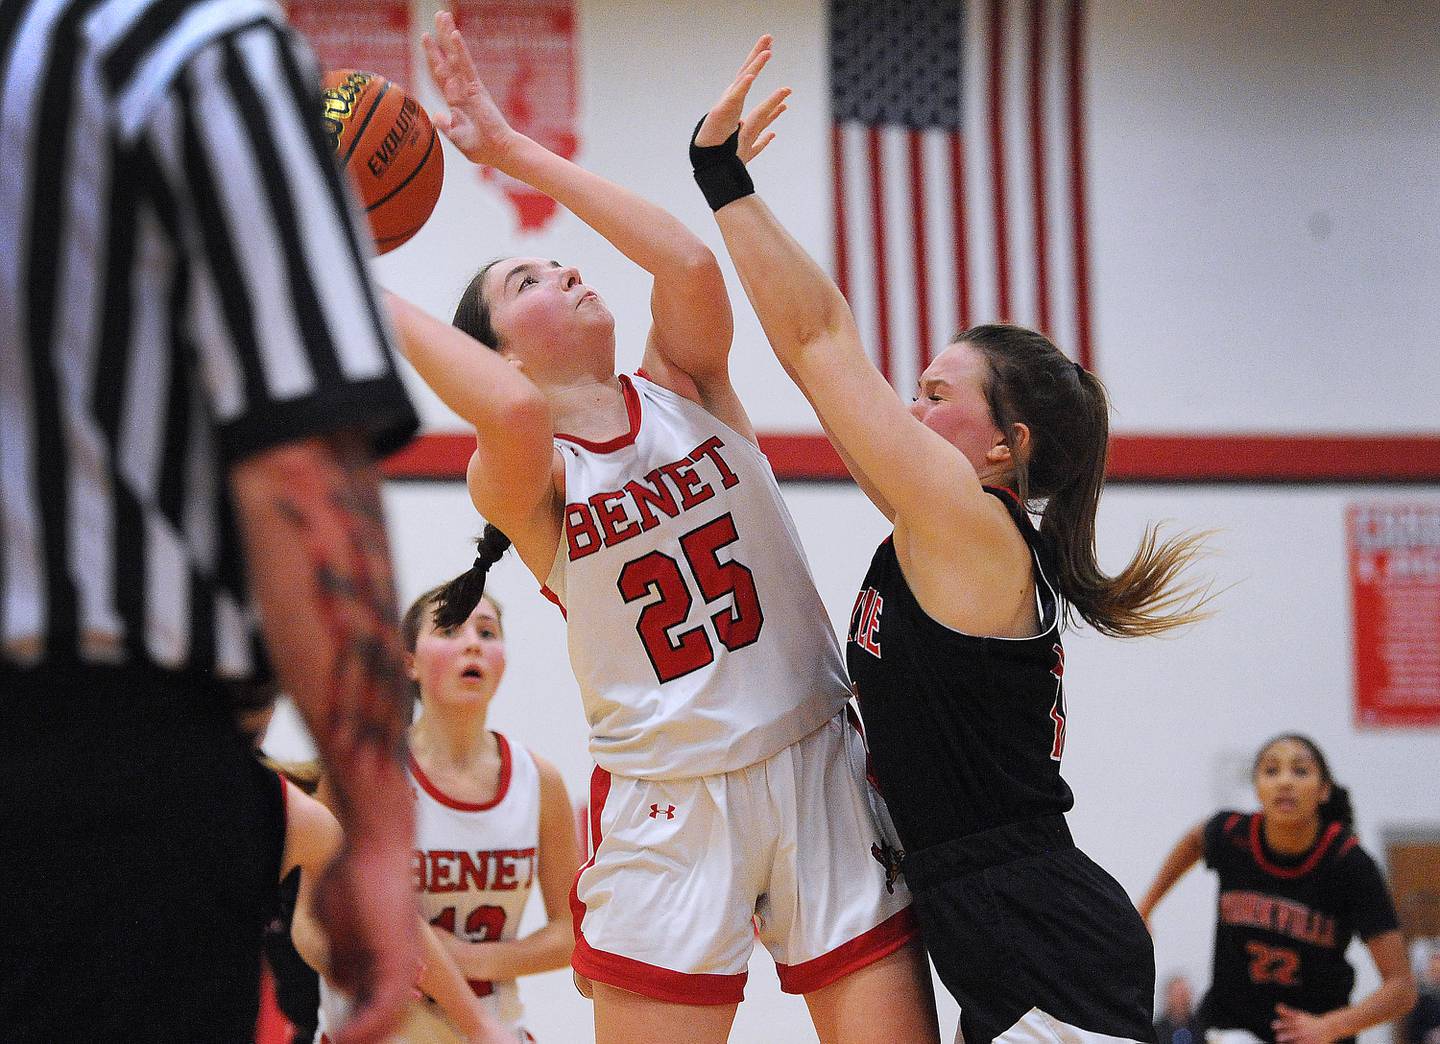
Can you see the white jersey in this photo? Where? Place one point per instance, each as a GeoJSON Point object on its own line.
{"type": "Point", "coordinates": [473, 867]}
{"type": "Point", "coordinates": [696, 634]}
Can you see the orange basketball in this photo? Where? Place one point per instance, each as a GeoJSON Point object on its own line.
{"type": "Point", "coordinates": [384, 139]}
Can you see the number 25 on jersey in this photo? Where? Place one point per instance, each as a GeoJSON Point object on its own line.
{"type": "Point", "coordinates": [661, 574]}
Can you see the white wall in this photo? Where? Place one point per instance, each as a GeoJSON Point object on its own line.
{"type": "Point", "coordinates": [1266, 223]}
{"type": "Point", "coordinates": [1265, 199]}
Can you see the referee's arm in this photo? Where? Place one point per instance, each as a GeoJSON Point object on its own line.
{"type": "Point", "coordinates": [294, 352]}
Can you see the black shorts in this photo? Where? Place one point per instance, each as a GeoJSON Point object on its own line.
{"type": "Point", "coordinates": [142, 847]}
{"type": "Point", "coordinates": [1017, 918]}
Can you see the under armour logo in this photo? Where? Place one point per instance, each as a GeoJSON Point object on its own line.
{"type": "Point", "coordinates": [656, 811]}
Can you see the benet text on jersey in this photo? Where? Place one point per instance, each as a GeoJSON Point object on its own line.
{"type": "Point", "coordinates": [613, 516]}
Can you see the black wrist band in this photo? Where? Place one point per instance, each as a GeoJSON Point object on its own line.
{"type": "Point", "coordinates": [721, 175]}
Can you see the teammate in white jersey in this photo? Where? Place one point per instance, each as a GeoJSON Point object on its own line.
{"type": "Point", "coordinates": [312, 838]}
{"type": "Point", "coordinates": [491, 818]}
{"type": "Point", "coordinates": [730, 796]}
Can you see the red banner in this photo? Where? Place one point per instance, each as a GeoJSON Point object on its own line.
{"type": "Point", "coordinates": [370, 35]}
{"type": "Point", "coordinates": [525, 51]}
{"type": "Point", "coordinates": [1395, 592]}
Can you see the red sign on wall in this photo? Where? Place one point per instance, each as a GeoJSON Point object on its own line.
{"type": "Point", "coordinates": [526, 54]}
{"type": "Point", "coordinates": [1395, 592]}
{"type": "Point", "coordinates": [369, 35]}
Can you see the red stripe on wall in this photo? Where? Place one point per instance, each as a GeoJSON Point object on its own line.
{"type": "Point", "coordinates": [438, 455]}
{"type": "Point", "coordinates": [1074, 98]}
{"type": "Point", "coordinates": [877, 225]}
{"type": "Point", "coordinates": [997, 160]}
{"type": "Point", "coordinates": [916, 143]}
{"type": "Point", "coordinates": [1037, 163]}
{"type": "Point", "coordinates": [1133, 458]}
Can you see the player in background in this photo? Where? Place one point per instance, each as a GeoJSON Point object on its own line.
{"type": "Point", "coordinates": [954, 645]}
{"type": "Point", "coordinates": [312, 837]}
{"type": "Point", "coordinates": [491, 820]}
{"type": "Point", "coordinates": [1295, 888]}
{"type": "Point", "coordinates": [710, 676]}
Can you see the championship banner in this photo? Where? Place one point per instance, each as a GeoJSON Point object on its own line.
{"type": "Point", "coordinates": [1395, 594]}
{"type": "Point", "coordinates": [369, 35]}
{"type": "Point", "coordinates": [525, 51]}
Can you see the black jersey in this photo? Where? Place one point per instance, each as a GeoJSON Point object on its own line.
{"type": "Point", "coordinates": [966, 735]}
{"type": "Point", "coordinates": [965, 732]}
{"type": "Point", "coordinates": [1284, 922]}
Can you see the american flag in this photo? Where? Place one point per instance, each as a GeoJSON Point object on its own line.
{"type": "Point", "coordinates": [959, 182]}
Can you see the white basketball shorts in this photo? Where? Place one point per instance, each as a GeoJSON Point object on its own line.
{"type": "Point", "coordinates": [685, 874]}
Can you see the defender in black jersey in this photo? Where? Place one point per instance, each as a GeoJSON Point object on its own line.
{"type": "Point", "coordinates": [1295, 888]}
{"type": "Point", "coordinates": [955, 640]}
{"type": "Point", "coordinates": [966, 735]}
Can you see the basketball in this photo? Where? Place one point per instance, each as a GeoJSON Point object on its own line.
{"type": "Point", "coordinates": [384, 140]}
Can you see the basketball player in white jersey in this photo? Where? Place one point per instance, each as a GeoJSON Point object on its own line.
{"type": "Point", "coordinates": [730, 793]}
{"type": "Point", "coordinates": [312, 838]}
{"type": "Point", "coordinates": [492, 820]}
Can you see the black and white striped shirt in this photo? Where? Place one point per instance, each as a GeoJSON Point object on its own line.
{"type": "Point", "coordinates": [182, 283]}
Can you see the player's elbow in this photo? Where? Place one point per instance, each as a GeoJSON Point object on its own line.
{"type": "Point", "coordinates": [818, 331]}
{"type": "Point", "coordinates": [310, 943]}
{"type": "Point", "coordinates": [696, 265]}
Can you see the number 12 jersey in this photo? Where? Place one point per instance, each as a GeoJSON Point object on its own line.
{"type": "Point", "coordinates": [696, 634]}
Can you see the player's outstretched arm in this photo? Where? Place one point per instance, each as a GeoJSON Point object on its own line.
{"type": "Point", "coordinates": [1182, 857]}
{"type": "Point", "coordinates": [510, 475]}
{"type": "Point", "coordinates": [912, 474]}
{"type": "Point", "coordinates": [689, 304]}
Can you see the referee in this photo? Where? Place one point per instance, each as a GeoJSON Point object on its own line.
{"type": "Point", "coordinates": [195, 379]}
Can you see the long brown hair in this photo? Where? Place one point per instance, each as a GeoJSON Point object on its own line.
{"type": "Point", "coordinates": [1061, 475]}
{"type": "Point", "coordinates": [429, 601]}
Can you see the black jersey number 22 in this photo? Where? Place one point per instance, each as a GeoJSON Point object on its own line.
{"type": "Point", "coordinates": [1273, 964]}
{"type": "Point", "coordinates": [659, 573]}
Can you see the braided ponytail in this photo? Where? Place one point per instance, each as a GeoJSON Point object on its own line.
{"type": "Point", "coordinates": [458, 598]}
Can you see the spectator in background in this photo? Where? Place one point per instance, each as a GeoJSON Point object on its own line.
{"type": "Point", "coordinates": [1177, 1023]}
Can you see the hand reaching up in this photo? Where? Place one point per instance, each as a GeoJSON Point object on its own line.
{"type": "Point", "coordinates": [724, 117]}
{"type": "Point", "coordinates": [474, 124]}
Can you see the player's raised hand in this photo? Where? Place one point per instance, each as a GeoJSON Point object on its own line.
{"type": "Point", "coordinates": [474, 123]}
{"type": "Point", "coordinates": [754, 128]}
{"type": "Point", "coordinates": [725, 115]}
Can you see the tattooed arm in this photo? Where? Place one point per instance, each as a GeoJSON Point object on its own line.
{"type": "Point", "coordinates": [319, 563]}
